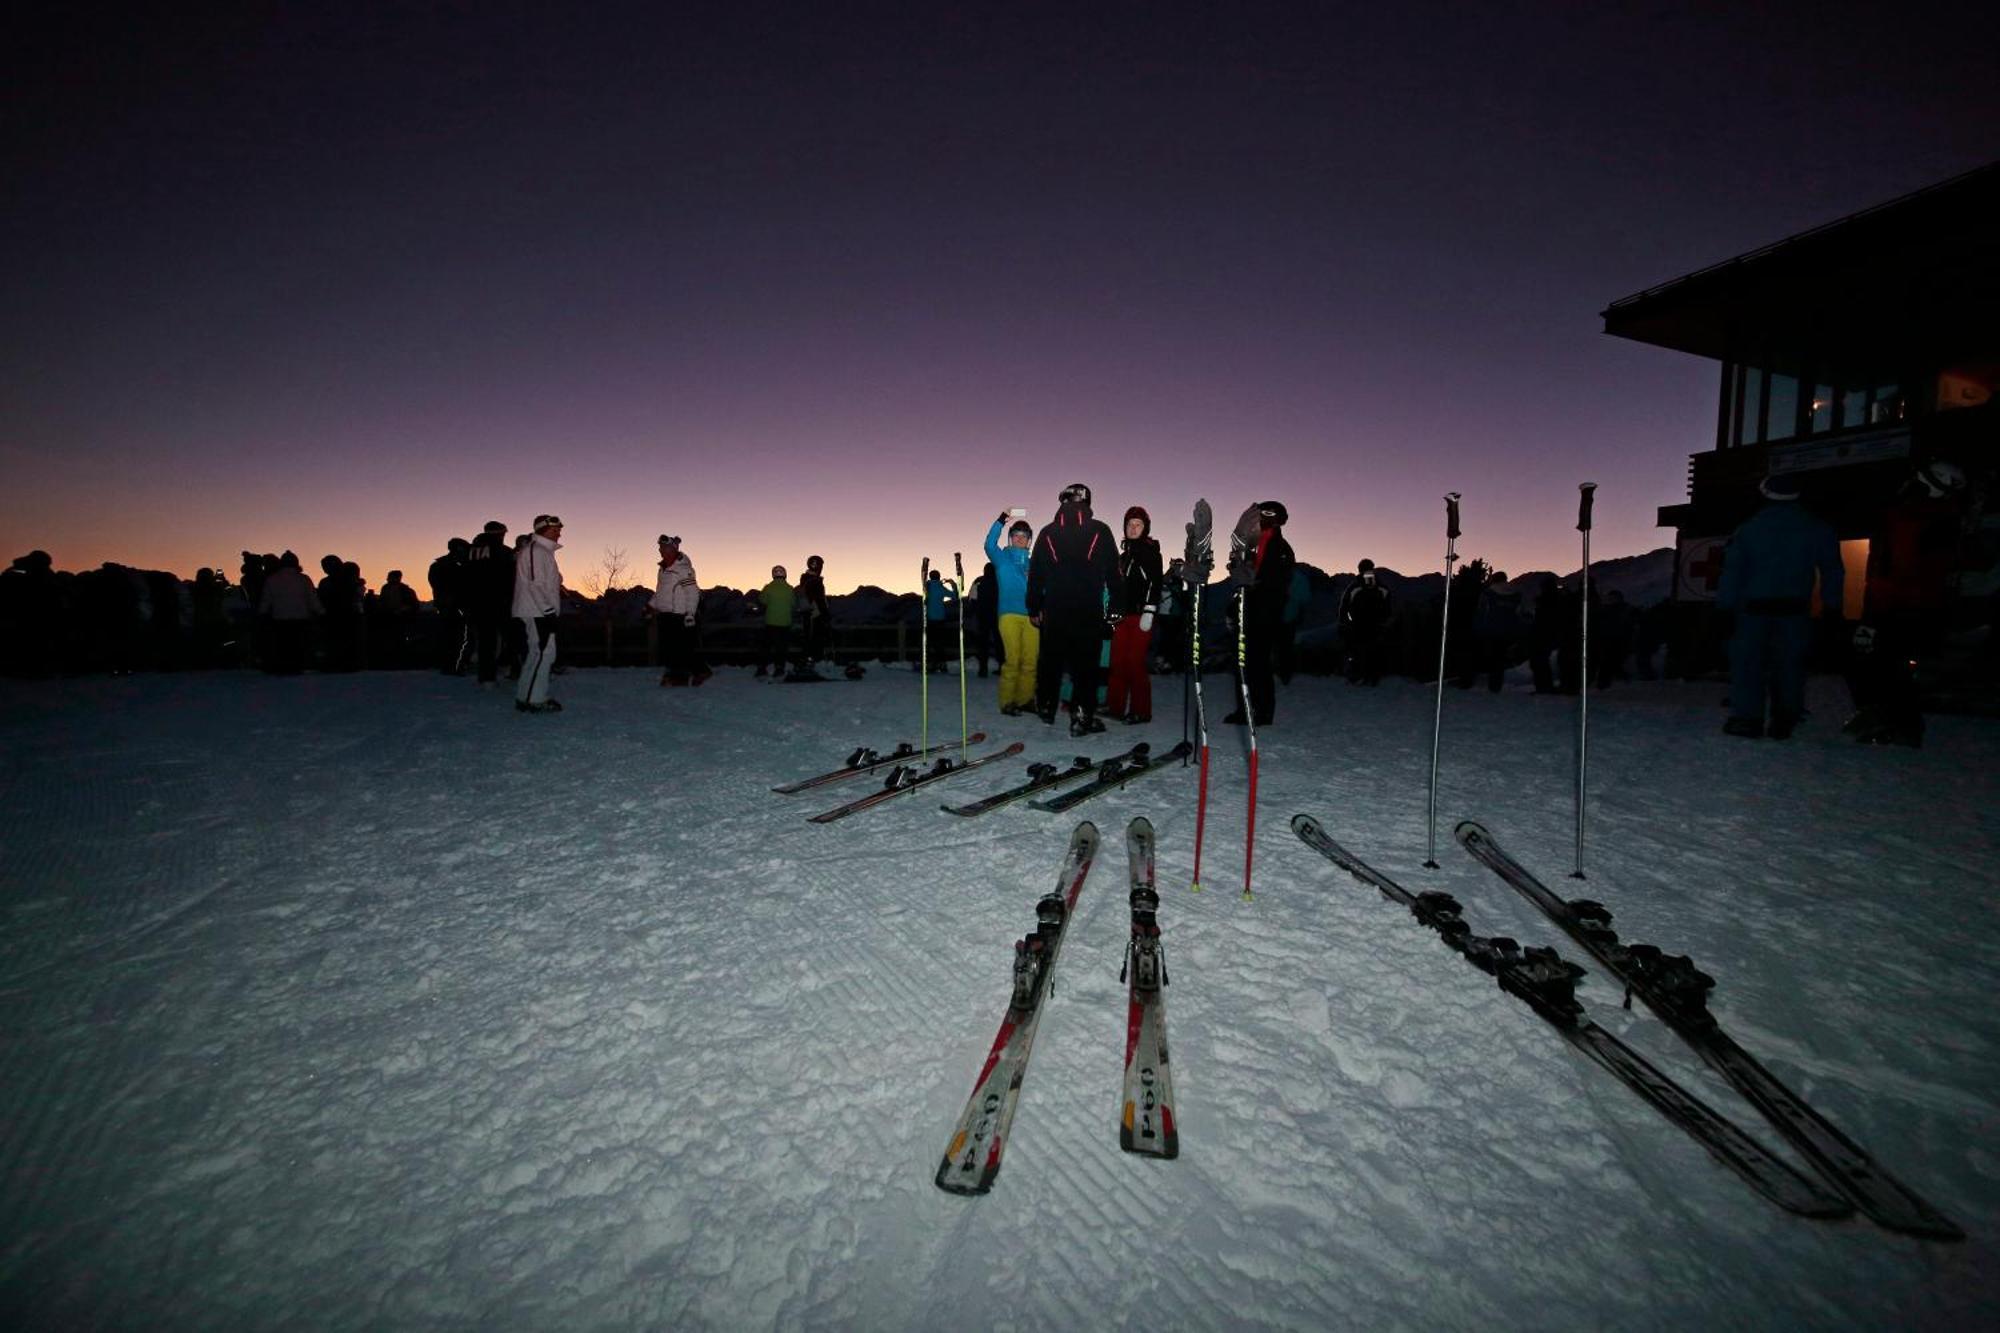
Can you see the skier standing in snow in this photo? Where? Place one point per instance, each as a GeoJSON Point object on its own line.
{"type": "Point", "coordinates": [776, 598]}
{"type": "Point", "coordinates": [1495, 623]}
{"type": "Point", "coordinates": [676, 600]}
{"type": "Point", "coordinates": [986, 597]}
{"type": "Point", "coordinates": [1262, 561]}
{"type": "Point", "coordinates": [1020, 639]}
{"type": "Point", "coordinates": [448, 588]}
{"type": "Point", "coordinates": [1364, 612]}
{"type": "Point", "coordinates": [489, 596]}
{"type": "Point", "coordinates": [939, 603]}
{"type": "Point", "coordinates": [288, 606]}
{"type": "Point", "coordinates": [817, 613]}
{"type": "Point", "coordinates": [537, 607]}
{"type": "Point", "coordinates": [1912, 556]}
{"type": "Point", "coordinates": [1285, 656]}
{"type": "Point", "coordinates": [1073, 586]}
{"type": "Point", "coordinates": [1129, 696]}
{"type": "Point", "coordinates": [1767, 581]}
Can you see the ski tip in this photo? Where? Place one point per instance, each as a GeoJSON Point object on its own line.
{"type": "Point", "coordinates": [1302, 822]}
{"type": "Point", "coordinates": [1469, 828]}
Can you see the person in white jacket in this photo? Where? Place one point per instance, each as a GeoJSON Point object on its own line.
{"type": "Point", "coordinates": [675, 601]}
{"type": "Point", "coordinates": [537, 604]}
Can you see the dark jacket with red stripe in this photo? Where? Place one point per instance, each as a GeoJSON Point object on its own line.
{"type": "Point", "coordinates": [1075, 562]}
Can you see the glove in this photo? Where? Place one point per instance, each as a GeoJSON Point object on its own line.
{"type": "Point", "coordinates": [1002, 520]}
{"type": "Point", "coordinates": [1146, 620]}
{"type": "Point", "coordinates": [688, 620]}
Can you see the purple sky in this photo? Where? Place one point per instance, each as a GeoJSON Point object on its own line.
{"type": "Point", "coordinates": [792, 282]}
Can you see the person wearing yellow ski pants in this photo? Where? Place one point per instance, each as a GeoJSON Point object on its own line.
{"type": "Point", "coordinates": [1023, 645]}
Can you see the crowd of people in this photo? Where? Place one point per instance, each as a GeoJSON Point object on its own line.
{"type": "Point", "coordinates": [1076, 618]}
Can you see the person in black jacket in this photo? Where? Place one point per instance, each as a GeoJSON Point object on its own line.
{"type": "Point", "coordinates": [489, 595]}
{"type": "Point", "coordinates": [448, 580]}
{"type": "Point", "coordinates": [1073, 587]}
{"type": "Point", "coordinates": [1364, 614]}
{"type": "Point", "coordinates": [1129, 697]}
{"type": "Point", "coordinates": [1263, 565]}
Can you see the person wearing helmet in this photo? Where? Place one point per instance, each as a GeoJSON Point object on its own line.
{"type": "Point", "coordinates": [447, 577]}
{"type": "Point", "coordinates": [537, 607]}
{"type": "Point", "coordinates": [1905, 609]}
{"type": "Point", "coordinates": [1129, 696]}
{"type": "Point", "coordinates": [816, 613]}
{"type": "Point", "coordinates": [675, 604]}
{"type": "Point", "coordinates": [1020, 639]}
{"type": "Point", "coordinates": [777, 600]}
{"type": "Point", "coordinates": [1073, 588]}
{"type": "Point", "coordinates": [1261, 561]}
{"type": "Point", "coordinates": [1767, 582]}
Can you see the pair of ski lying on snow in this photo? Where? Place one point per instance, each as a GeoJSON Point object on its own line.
{"type": "Point", "coordinates": [1146, 1107]}
{"type": "Point", "coordinates": [907, 772]}
{"type": "Point", "coordinates": [1676, 991]}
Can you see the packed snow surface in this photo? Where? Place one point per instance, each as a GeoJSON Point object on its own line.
{"type": "Point", "coordinates": [362, 1002]}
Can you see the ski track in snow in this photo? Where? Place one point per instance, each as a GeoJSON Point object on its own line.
{"type": "Point", "coordinates": [364, 1001]}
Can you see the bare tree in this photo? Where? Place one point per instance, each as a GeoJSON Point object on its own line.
{"type": "Point", "coordinates": [606, 577]}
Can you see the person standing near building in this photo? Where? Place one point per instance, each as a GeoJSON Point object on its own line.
{"type": "Point", "coordinates": [676, 602]}
{"type": "Point", "coordinates": [1262, 564]}
{"type": "Point", "coordinates": [1073, 586]}
{"type": "Point", "coordinates": [1912, 556]}
{"type": "Point", "coordinates": [538, 606]}
{"type": "Point", "coordinates": [1767, 582]}
{"type": "Point", "coordinates": [777, 598]}
{"type": "Point", "coordinates": [1020, 638]}
{"type": "Point", "coordinates": [1129, 696]}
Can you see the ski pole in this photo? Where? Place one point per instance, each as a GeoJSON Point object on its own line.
{"type": "Point", "coordinates": [1249, 724]}
{"type": "Point", "coordinates": [1587, 491]}
{"type": "Point", "coordinates": [1444, 634]}
{"type": "Point", "coordinates": [958, 591]}
{"type": "Point", "coordinates": [1201, 724]}
{"type": "Point", "coordinates": [924, 652]}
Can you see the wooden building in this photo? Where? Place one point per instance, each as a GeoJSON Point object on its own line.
{"type": "Point", "coordinates": [1850, 354]}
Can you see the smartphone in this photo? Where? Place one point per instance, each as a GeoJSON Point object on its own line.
{"type": "Point", "coordinates": [1018, 512]}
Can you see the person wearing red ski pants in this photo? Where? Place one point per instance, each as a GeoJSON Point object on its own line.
{"type": "Point", "coordinates": [1130, 692]}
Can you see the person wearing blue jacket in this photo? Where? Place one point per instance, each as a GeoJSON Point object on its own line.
{"type": "Point", "coordinates": [1767, 582]}
{"type": "Point", "coordinates": [1020, 641]}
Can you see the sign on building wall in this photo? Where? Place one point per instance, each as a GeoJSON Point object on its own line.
{"type": "Point", "coordinates": [1839, 453]}
{"type": "Point", "coordinates": [1698, 568]}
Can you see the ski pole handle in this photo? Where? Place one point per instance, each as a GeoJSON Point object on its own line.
{"type": "Point", "coordinates": [1587, 492]}
{"type": "Point", "coordinates": [1451, 516]}
{"type": "Point", "coordinates": [958, 565]}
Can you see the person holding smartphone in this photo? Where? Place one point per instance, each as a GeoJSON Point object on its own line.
{"type": "Point", "coordinates": [1020, 640]}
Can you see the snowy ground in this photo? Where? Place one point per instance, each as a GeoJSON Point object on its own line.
{"type": "Point", "coordinates": [363, 1001]}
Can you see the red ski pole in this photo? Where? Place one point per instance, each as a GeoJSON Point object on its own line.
{"type": "Point", "coordinates": [1250, 725]}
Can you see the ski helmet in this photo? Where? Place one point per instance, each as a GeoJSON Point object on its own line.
{"type": "Point", "coordinates": [1021, 526]}
{"type": "Point", "coordinates": [1779, 486]}
{"type": "Point", "coordinates": [1272, 512]}
{"type": "Point", "coordinates": [1075, 493]}
{"type": "Point", "coordinates": [777, 571]}
{"type": "Point", "coordinates": [814, 562]}
{"type": "Point", "coordinates": [1941, 478]}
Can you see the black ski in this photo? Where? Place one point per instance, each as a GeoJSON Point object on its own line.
{"type": "Point", "coordinates": [1548, 984]}
{"type": "Point", "coordinates": [1674, 989]}
{"type": "Point", "coordinates": [908, 777]}
{"type": "Point", "coordinates": [972, 1157]}
{"type": "Point", "coordinates": [1043, 777]}
{"type": "Point", "coordinates": [1111, 775]}
{"type": "Point", "coordinates": [867, 761]}
{"type": "Point", "coordinates": [1146, 1113]}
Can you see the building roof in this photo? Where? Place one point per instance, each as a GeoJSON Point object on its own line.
{"type": "Point", "coordinates": [1909, 283]}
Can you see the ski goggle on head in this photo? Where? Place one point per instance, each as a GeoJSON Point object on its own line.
{"type": "Point", "coordinates": [665, 540]}
{"type": "Point", "coordinates": [547, 521]}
